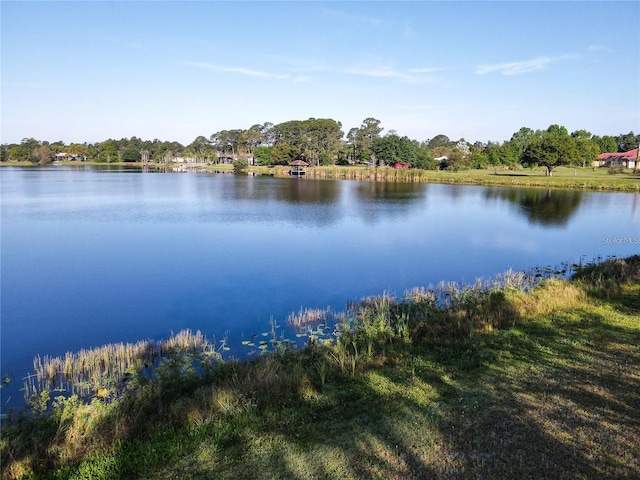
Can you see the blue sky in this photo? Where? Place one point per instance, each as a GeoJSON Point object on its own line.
{"type": "Point", "coordinates": [88, 71]}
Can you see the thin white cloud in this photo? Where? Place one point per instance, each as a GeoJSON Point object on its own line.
{"type": "Point", "coordinates": [241, 70]}
{"type": "Point", "coordinates": [516, 68]}
{"type": "Point", "coordinates": [526, 66]}
{"type": "Point", "coordinates": [297, 64]}
{"type": "Point", "coordinates": [353, 18]}
{"type": "Point", "coordinates": [426, 70]}
{"type": "Point", "coordinates": [381, 72]}
{"type": "Point", "coordinates": [598, 48]}
{"type": "Point", "coordinates": [413, 75]}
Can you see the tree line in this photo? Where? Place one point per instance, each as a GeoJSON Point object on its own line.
{"type": "Point", "coordinates": [322, 141]}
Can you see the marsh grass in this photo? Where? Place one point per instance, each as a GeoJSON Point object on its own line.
{"type": "Point", "coordinates": [515, 377]}
{"type": "Point", "coordinates": [312, 316]}
{"type": "Point", "coordinates": [103, 371]}
{"type": "Point", "coordinates": [563, 177]}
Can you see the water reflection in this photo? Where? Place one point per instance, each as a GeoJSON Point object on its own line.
{"type": "Point", "coordinates": [381, 200]}
{"type": "Point", "coordinates": [305, 203]}
{"type": "Point", "coordinates": [308, 202]}
{"type": "Point", "coordinates": [456, 192]}
{"type": "Point", "coordinates": [147, 255]}
{"type": "Point", "coordinates": [543, 207]}
{"type": "Point", "coordinates": [390, 191]}
{"type": "Point", "coordinates": [309, 191]}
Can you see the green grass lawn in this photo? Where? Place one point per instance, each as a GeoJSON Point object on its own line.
{"type": "Point", "coordinates": [505, 384]}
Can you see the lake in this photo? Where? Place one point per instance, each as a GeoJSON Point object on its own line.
{"type": "Point", "coordinates": [92, 256]}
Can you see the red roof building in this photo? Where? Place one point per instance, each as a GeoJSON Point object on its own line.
{"type": "Point", "coordinates": [400, 165]}
{"type": "Point", "coordinates": [618, 159]}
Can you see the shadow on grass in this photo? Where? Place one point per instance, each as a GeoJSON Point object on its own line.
{"type": "Point", "coordinates": [555, 402]}
{"type": "Point", "coordinates": [502, 174]}
{"type": "Point", "coordinates": [552, 399]}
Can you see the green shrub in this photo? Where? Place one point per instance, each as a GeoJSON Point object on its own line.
{"type": "Point", "coordinates": [240, 166]}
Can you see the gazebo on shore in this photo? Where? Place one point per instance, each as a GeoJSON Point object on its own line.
{"type": "Point", "coordinates": [298, 168]}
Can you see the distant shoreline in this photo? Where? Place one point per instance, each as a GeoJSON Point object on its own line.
{"type": "Point", "coordinates": [580, 178]}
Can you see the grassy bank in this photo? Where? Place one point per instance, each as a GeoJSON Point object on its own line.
{"type": "Point", "coordinates": [506, 379]}
{"type": "Point", "coordinates": [563, 177]}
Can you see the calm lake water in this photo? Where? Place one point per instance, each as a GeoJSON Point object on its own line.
{"type": "Point", "coordinates": [93, 256]}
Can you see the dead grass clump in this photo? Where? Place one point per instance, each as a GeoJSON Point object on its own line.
{"type": "Point", "coordinates": [208, 404]}
{"type": "Point", "coordinates": [549, 296]}
{"type": "Point", "coordinates": [269, 381]}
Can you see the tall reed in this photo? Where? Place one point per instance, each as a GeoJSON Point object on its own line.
{"type": "Point", "coordinates": [103, 370]}
{"type": "Point", "coordinates": [309, 316]}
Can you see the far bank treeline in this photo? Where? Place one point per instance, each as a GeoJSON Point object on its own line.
{"type": "Point", "coordinates": [322, 141]}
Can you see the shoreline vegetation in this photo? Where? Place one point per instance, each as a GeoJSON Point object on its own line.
{"type": "Point", "coordinates": [583, 178]}
{"type": "Point", "coordinates": [564, 177]}
{"type": "Point", "coordinates": [522, 376]}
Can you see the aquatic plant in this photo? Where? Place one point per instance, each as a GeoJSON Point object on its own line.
{"type": "Point", "coordinates": [310, 316]}
{"type": "Point", "coordinates": [103, 371]}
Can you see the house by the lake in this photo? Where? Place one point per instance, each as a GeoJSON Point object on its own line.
{"type": "Point", "coordinates": [400, 165]}
{"type": "Point", "coordinates": [618, 159]}
{"type": "Point", "coordinates": [190, 160]}
{"type": "Point", "coordinates": [69, 157]}
{"type": "Point", "coordinates": [225, 158]}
